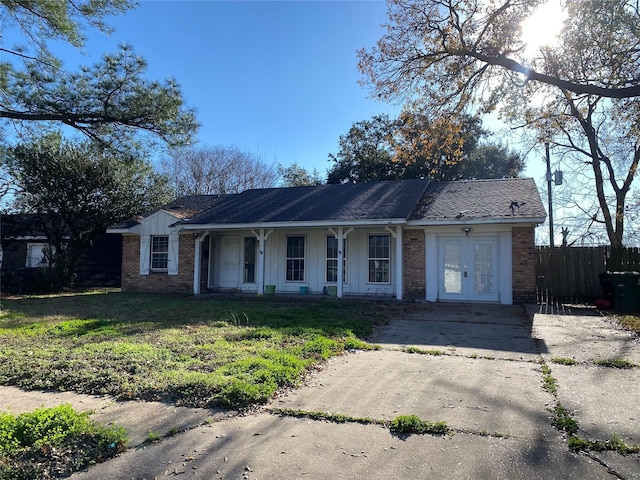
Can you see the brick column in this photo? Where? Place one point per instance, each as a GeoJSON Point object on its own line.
{"type": "Point", "coordinates": [523, 254]}
{"type": "Point", "coordinates": [414, 275]}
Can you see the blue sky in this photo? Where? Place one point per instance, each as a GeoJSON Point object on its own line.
{"type": "Point", "coordinates": [278, 79]}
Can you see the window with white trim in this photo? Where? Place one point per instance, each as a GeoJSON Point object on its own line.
{"type": "Point", "coordinates": [295, 258]}
{"type": "Point", "coordinates": [159, 253]}
{"type": "Point", "coordinates": [331, 271]}
{"type": "Point", "coordinates": [38, 255]}
{"type": "Point", "coordinates": [379, 260]}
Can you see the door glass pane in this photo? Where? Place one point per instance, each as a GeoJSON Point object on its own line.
{"type": "Point", "coordinates": [249, 260]}
{"type": "Point", "coordinates": [452, 268]}
{"type": "Point", "coordinates": [483, 268]}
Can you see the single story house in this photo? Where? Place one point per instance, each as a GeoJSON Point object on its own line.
{"type": "Point", "coordinates": [25, 258]}
{"type": "Point", "coordinates": [437, 241]}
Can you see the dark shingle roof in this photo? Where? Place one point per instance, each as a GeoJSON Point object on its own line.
{"type": "Point", "coordinates": [362, 201]}
{"type": "Point", "coordinates": [22, 225]}
{"type": "Point", "coordinates": [480, 199]}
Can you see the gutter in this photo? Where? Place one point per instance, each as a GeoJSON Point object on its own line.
{"type": "Point", "coordinates": [477, 221]}
{"type": "Point", "coordinates": [307, 224]}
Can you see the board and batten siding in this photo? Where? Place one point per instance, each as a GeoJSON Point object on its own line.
{"type": "Point", "coordinates": [357, 270]}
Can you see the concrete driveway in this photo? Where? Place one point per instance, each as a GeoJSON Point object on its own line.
{"type": "Point", "coordinates": [486, 383]}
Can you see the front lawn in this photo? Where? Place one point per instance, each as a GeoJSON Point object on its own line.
{"type": "Point", "coordinates": [230, 352]}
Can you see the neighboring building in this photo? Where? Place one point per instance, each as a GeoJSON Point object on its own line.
{"type": "Point", "coordinates": [25, 257]}
{"type": "Point", "coordinates": [466, 240]}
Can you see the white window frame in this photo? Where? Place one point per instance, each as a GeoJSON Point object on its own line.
{"type": "Point", "coordinates": [158, 253]}
{"type": "Point", "coordinates": [295, 259]}
{"type": "Point", "coordinates": [43, 260]}
{"type": "Point", "coordinates": [335, 259]}
{"type": "Point", "coordinates": [377, 258]}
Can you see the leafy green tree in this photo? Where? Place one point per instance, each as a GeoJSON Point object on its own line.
{"type": "Point", "coordinates": [211, 170]}
{"type": "Point", "coordinates": [111, 102]}
{"type": "Point", "coordinates": [297, 176]}
{"type": "Point", "coordinates": [365, 153]}
{"type": "Point", "coordinates": [414, 146]}
{"type": "Point", "coordinates": [580, 94]}
{"type": "Point", "coordinates": [78, 190]}
{"type": "Point", "coordinates": [488, 161]}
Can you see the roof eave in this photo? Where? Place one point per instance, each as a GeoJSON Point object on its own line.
{"type": "Point", "coordinates": [307, 224]}
{"type": "Point", "coordinates": [131, 229]}
{"type": "Point", "coordinates": [476, 221]}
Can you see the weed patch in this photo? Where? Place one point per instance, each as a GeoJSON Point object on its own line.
{"type": "Point", "coordinates": [413, 424]}
{"type": "Point", "coordinates": [629, 322]}
{"type": "Point", "coordinates": [563, 420]}
{"type": "Point", "coordinates": [615, 444]}
{"type": "Point", "coordinates": [329, 417]}
{"type": "Point", "coordinates": [422, 351]}
{"type": "Point", "coordinates": [564, 361]}
{"type": "Point", "coordinates": [50, 442]}
{"type": "Point", "coordinates": [615, 363]}
{"type": "Point", "coordinates": [548, 382]}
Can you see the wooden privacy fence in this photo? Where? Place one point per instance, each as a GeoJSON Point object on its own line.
{"type": "Point", "coordinates": [571, 274]}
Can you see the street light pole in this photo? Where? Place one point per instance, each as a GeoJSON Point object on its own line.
{"type": "Point", "coordinates": [549, 178]}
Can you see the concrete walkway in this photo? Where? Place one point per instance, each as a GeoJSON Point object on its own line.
{"type": "Point", "coordinates": [486, 384]}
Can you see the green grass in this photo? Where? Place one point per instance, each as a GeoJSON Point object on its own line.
{"type": "Point", "coordinates": [53, 442]}
{"type": "Point", "coordinates": [201, 352]}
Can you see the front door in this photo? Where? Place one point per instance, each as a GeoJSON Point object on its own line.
{"type": "Point", "coordinates": [468, 268]}
{"type": "Point", "coordinates": [229, 262]}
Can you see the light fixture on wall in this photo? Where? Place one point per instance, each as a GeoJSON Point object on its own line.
{"type": "Point", "coordinates": [466, 230]}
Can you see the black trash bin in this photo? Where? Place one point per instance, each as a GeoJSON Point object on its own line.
{"type": "Point", "coordinates": [626, 289]}
{"type": "Point", "coordinates": [607, 288]}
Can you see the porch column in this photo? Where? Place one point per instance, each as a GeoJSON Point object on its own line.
{"type": "Point", "coordinates": [262, 237]}
{"type": "Point", "coordinates": [431, 266]}
{"type": "Point", "coordinates": [340, 238]}
{"type": "Point", "coordinates": [197, 258]}
{"type": "Point", "coordinates": [196, 265]}
{"type": "Point", "coordinates": [399, 260]}
{"type": "Point", "coordinates": [397, 235]}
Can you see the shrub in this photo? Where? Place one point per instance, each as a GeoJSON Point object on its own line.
{"type": "Point", "coordinates": [29, 443]}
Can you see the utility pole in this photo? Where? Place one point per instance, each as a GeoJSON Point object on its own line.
{"type": "Point", "coordinates": [549, 179]}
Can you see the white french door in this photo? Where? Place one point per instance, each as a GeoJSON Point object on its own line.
{"type": "Point", "coordinates": [468, 268]}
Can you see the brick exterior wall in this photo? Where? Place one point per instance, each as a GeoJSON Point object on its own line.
{"type": "Point", "coordinates": [523, 252]}
{"type": "Point", "coordinates": [414, 275]}
{"type": "Point", "coordinates": [132, 281]}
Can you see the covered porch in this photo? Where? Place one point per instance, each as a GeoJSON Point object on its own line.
{"type": "Point", "coordinates": [301, 259]}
